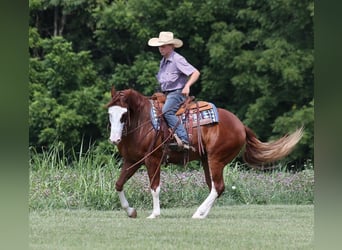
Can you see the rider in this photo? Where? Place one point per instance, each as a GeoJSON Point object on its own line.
{"type": "Point", "coordinates": [175, 77]}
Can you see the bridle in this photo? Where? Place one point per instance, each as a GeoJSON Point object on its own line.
{"type": "Point", "coordinates": [119, 98]}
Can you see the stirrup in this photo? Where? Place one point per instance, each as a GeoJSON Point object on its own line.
{"type": "Point", "coordinates": [178, 145]}
{"type": "Point", "coordinates": [186, 146]}
{"type": "Point", "coordinates": [182, 146]}
{"type": "Point", "coordinates": [178, 140]}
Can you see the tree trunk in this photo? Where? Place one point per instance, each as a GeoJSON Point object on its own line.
{"type": "Point", "coordinates": [55, 22]}
{"type": "Point", "coordinates": [62, 24]}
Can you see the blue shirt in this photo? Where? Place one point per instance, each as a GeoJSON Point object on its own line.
{"type": "Point", "coordinates": [174, 72]}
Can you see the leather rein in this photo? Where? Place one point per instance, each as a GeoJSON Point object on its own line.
{"type": "Point", "coordinates": [168, 137]}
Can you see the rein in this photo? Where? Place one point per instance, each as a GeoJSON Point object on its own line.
{"type": "Point", "coordinates": [136, 128]}
{"type": "Point", "coordinates": [156, 148]}
{"type": "Point", "coordinates": [150, 153]}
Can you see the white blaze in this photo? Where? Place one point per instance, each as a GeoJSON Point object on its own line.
{"type": "Point", "coordinates": [115, 114]}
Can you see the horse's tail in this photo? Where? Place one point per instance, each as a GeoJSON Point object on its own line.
{"type": "Point", "coordinates": [258, 153]}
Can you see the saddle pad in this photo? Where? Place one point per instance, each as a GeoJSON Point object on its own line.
{"type": "Point", "coordinates": [207, 116]}
{"type": "Point", "coordinates": [154, 118]}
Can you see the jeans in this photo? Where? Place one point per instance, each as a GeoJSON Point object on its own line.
{"type": "Point", "coordinates": [173, 101]}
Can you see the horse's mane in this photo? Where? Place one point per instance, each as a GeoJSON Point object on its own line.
{"type": "Point", "coordinates": [135, 101]}
{"type": "Point", "coordinates": [128, 97]}
{"type": "Point", "coordinates": [138, 106]}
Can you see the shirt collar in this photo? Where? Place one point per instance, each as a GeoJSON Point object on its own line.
{"type": "Point", "coordinates": [169, 59]}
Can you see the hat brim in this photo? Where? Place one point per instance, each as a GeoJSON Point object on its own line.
{"type": "Point", "coordinates": [155, 42]}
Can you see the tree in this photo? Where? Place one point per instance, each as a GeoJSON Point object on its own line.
{"type": "Point", "coordinates": [64, 94]}
{"type": "Point", "coordinates": [255, 57]}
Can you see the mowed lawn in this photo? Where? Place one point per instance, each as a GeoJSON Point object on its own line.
{"type": "Point", "coordinates": [228, 227]}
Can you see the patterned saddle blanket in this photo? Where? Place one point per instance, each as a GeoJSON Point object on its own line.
{"type": "Point", "coordinates": [207, 114]}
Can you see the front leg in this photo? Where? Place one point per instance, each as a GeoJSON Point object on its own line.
{"type": "Point", "coordinates": [153, 170]}
{"type": "Point", "coordinates": [156, 204]}
{"type": "Point", "coordinates": [131, 212]}
{"type": "Point", "coordinates": [125, 174]}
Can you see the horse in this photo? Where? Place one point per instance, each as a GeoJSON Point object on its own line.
{"type": "Point", "coordinates": [139, 144]}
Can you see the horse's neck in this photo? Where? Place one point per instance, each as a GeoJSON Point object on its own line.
{"type": "Point", "coordinates": [140, 111]}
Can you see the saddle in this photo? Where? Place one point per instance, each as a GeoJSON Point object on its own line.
{"type": "Point", "coordinates": [189, 105]}
{"type": "Point", "coordinates": [191, 114]}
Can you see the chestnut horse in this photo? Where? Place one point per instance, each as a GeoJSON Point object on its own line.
{"type": "Point", "coordinates": [133, 134]}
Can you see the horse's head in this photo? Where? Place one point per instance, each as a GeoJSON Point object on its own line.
{"type": "Point", "coordinates": [117, 110]}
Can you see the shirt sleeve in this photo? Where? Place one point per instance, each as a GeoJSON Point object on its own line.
{"type": "Point", "coordinates": [183, 66]}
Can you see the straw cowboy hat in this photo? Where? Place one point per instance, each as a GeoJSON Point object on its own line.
{"type": "Point", "coordinates": [165, 37]}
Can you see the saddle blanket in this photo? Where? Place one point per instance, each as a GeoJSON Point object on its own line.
{"type": "Point", "coordinates": [205, 117]}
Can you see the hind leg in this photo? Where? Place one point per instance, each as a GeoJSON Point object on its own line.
{"type": "Point", "coordinates": [205, 207]}
{"type": "Point", "coordinates": [206, 170]}
{"type": "Point", "coordinates": [222, 142]}
{"type": "Point", "coordinates": [217, 188]}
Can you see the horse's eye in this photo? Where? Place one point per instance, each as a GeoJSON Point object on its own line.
{"type": "Point", "coordinates": [123, 117]}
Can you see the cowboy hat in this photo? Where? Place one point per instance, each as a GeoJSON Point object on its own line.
{"type": "Point", "coordinates": [165, 37]}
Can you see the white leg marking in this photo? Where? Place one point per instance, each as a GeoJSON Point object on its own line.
{"type": "Point", "coordinates": [205, 207]}
{"type": "Point", "coordinates": [156, 204]}
{"type": "Point", "coordinates": [124, 204]}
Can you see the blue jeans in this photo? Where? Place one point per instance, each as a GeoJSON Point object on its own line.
{"type": "Point", "coordinates": [173, 101]}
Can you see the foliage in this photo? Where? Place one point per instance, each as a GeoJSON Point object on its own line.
{"type": "Point", "coordinates": [304, 116]}
{"type": "Point", "coordinates": [251, 187]}
{"type": "Point", "coordinates": [64, 94]}
{"type": "Point", "coordinates": [255, 58]}
{"type": "Point", "coordinates": [87, 181]}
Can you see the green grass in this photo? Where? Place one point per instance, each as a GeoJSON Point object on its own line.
{"type": "Point", "coordinates": [226, 227]}
{"type": "Point", "coordinates": [86, 180]}
{"type": "Point", "coordinates": [73, 205]}
{"type": "Point", "coordinates": [94, 188]}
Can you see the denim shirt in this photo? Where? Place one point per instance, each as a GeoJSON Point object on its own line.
{"type": "Point", "coordinates": [174, 72]}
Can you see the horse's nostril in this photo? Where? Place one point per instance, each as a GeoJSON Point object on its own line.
{"type": "Point", "coordinates": [114, 142]}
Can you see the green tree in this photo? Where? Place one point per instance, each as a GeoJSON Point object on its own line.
{"type": "Point", "coordinates": [261, 62]}
{"type": "Point", "coordinates": [255, 57]}
{"type": "Point", "coordinates": [64, 93]}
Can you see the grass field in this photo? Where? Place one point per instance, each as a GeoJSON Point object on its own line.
{"type": "Point", "coordinates": [226, 227]}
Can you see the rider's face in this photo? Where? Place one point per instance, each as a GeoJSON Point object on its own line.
{"type": "Point", "coordinates": [165, 50]}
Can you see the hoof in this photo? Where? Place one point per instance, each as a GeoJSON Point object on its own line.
{"type": "Point", "coordinates": [152, 216]}
{"type": "Point", "coordinates": [198, 217]}
{"type": "Point", "coordinates": [133, 213]}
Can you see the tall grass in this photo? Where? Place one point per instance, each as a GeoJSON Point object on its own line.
{"type": "Point", "coordinates": [276, 187]}
{"type": "Point", "coordinates": [74, 180]}
{"type": "Point", "coordinates": [86, 180]}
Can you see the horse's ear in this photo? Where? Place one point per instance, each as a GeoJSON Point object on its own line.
{"type": "Point", "coordinates": [113, 91]}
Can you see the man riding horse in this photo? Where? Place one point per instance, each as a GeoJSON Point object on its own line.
{"type": "Point", "coordinates": [175, 77]}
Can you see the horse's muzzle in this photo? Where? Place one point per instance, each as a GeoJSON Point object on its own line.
{"type": "Point", "coordinates": [115, 142]}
